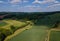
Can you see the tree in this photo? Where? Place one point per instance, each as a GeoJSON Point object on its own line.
{"type": "Point", "coordinates": [2, 36]}
{"type": "Point", "coordinates": [56, 24]}
{"type": "Point", "coordinates": [13, 28]}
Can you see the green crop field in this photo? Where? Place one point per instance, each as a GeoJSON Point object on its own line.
{"type": "Point", "coordinates": [2, 23]}
{"type": "Point", "coordinates": [55, 36]}
{"type": "Point", "coordinates": [36, 33]}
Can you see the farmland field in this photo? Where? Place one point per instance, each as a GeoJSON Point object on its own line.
{"type": "Point", "coordinates": [2, 23]}
{"type": "Point", "coordinates": [13, 22]}
{"type": "Point", "coordinates": [36, 33]}
{"type": "Point", "coordinates": [55, 36]}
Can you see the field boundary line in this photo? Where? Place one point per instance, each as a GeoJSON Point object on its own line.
{"type": "Point", "coordinates": [55, 29]}
{"type": "Point", "coordinates": [46, 35]}
{"type": "Point", "coordinates": [49, 31]}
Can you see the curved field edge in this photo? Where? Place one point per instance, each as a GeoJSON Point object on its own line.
{"type": "Point", "coordinates": [17, 32]}
{"type": "Point", "coordinates": [54, 35]}
{"type": "Point", "coordinates": [49, 33]}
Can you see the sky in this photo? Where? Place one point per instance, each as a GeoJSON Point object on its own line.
{"type": "Point", "coordinates": [29, 5]}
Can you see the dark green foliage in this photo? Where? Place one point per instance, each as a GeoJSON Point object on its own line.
{"type": "Point", "coordinates": [13, 28]}
{"type": "Point", "coordinates": [56, 24]}
{"type": "Point", "coordinates": [49, 20]}
{"type": "Point", "coordinates": [22, 15]}
{"type": "Point", "coordinates": [4, 33]}
{"type": "Point", "coordinates": [2, 36]}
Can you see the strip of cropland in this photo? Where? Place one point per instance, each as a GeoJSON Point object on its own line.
{"type": "Point", "coordinates": [55, 35]}
{"type": "Point", "coordinates": [36, 33]}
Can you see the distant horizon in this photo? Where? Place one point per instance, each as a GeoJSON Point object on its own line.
{"type": "Point", "coordinates": [37, 12]}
